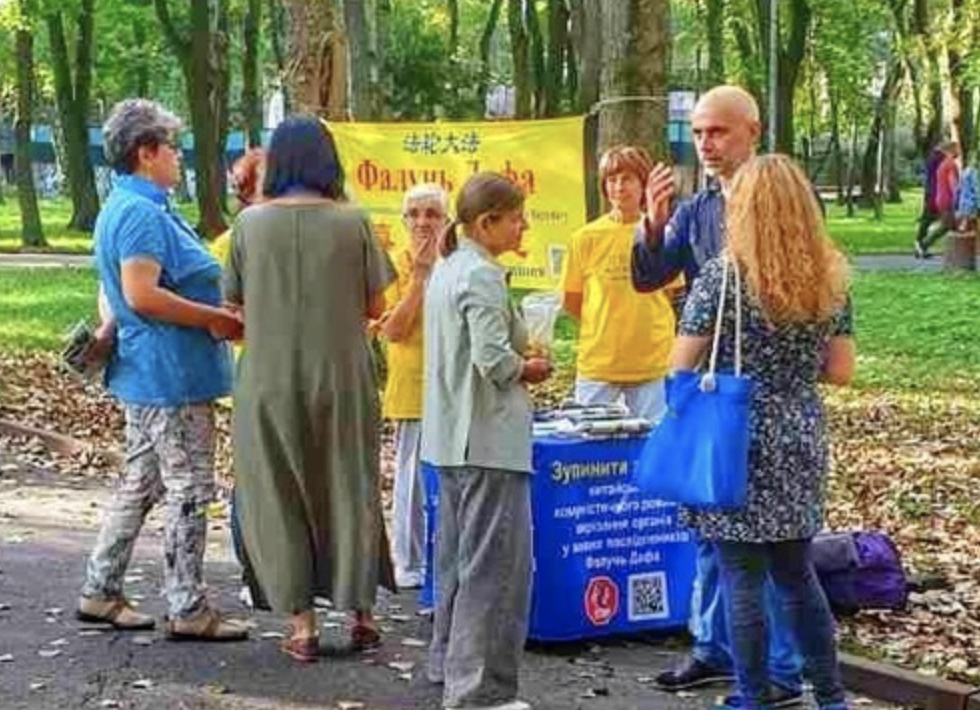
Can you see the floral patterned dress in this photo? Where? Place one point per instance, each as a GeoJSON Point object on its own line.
{"type": "Point", "coordinates": [788, 455]}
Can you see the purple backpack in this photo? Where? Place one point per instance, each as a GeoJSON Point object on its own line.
{"type": "Point", "coordinates": [860, 570]}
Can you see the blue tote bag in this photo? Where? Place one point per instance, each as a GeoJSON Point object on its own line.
{"type": "Point", "coordinates": [698, 454]}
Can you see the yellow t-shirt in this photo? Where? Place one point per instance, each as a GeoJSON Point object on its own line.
{"type": "Point", "coordinates": [625, 337]}
{"type": "Point", "coordinates": [220, 248]}
{"type": "Point", "coordinates": [403, 393]}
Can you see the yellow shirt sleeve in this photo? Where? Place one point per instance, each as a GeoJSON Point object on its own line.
{"type": "Point", "coordinates": [220, 248]}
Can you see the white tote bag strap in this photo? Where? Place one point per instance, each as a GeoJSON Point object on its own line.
{"type": "Point", "coordinates": [709, 380]}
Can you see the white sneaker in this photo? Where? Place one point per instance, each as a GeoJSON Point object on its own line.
{"type": "Point", "coordinates": [245, 597]}
{"type": "Point", "coordinates": [408, 579]}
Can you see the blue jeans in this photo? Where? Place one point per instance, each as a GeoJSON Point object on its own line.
{"type": "Point", "coordinates": [709, 625]}
{"type": "Point", "coordinates": [744, 569]}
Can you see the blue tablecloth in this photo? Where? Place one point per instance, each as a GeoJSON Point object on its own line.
{"type": "Point", "coordinates": [607, 559]}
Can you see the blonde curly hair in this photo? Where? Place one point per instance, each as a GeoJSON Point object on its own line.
{"type": "Point", "coordinates": [776, 234]}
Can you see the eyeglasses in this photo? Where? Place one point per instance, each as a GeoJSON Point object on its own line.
{"type": "Point", "coordinates": [430, 213]}
{"type": "Point", "coordinates": [171, 143]}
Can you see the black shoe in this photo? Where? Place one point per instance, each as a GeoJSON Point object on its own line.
{"type": "Point", "coordinates": [694, 673]}
{"type": "Point", "coordinates": [779, 697]}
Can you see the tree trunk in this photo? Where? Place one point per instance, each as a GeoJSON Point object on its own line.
{"type": "Point", "coordinates": [893, 192]}
{"type": "Point", "coordinates": [837, 159]}
{"type": "Point", "coordinates": [557, 57]}
{"type": "Point", "coordinates": [520, 51]}
{"type": "Point", "coordinates": [204, 61]}
{"type": "Point", "coordinates": [538, 61]}
{"type": "Point", "coordinates": [870, 182]}
{"type": "Point", "coordinates": [277, 34]}
{"type": "Point", "coordinates": [960, 92]}
{"type": "Point", "coordinates": [715, 23]}
{"type": "Point", "coordinates": [382, 24]}
{"type": "Point", "coordinates": [72, 99]}
{"type": "Point", "coordinates": [587, 36]}
{"type": "Point", "coordinates": [452, 6]}
{"type": "Point", "coordinates": [142, 68]}
{"type": "Point", "coordinates": [251, 93]}
{"type": "Point", "coordinates": [486, 39]}
{"type": "Point", "coordinates": [635, 48]}
{"type": "Point", "coordinates": [32, 233]}
{"type": "Point", "coordinates": [852, 169]}
{"type": "Point", "coordinates": [316, 65]}
{"type": "Point", "coordinates": [931, 81]}
{"type": "Point", "coordinates": [791, 56]}
{"type": "Point", "coordinates": [360, 59]}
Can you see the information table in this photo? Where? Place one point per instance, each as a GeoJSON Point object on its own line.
{"type": "Point", "coordinates": [607, 559]}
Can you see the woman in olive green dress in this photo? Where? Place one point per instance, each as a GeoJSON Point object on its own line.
{"type": "Point", "coordinates": [308, 274]}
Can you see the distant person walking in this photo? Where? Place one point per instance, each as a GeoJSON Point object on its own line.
{"type": "Point", "coordinates": [940, 198]}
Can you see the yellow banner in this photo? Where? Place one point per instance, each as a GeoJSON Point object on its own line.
{"type": "Point", "coordinates": [383, 160]}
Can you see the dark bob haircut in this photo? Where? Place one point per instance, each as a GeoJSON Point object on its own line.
{"type": "Point", "coordinates": [302, 157]}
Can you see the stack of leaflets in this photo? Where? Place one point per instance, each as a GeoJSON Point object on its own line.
{"type": "Point", "coordinates": [589, 421]}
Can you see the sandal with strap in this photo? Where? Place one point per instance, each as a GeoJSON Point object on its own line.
{"type": "Point", "coordinates": [303, 649]}
{"type": "Point", "coordinates": [364, 637]}
{"type": "Point", "coordinates": [116, 611]}
{"type": "Point", "coordinates": [208, 625]}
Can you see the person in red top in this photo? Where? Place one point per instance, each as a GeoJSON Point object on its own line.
{"type": "Point", "coordinates": [946, 187]}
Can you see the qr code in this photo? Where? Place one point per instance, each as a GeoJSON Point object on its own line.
{"type": "Point", "coordinates": [648, 597]}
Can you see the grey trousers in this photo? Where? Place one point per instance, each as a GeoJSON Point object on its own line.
{"type": "Point", "coordinates": [483, 553]}
{"type": "Point", "coordinates": [169, 456]}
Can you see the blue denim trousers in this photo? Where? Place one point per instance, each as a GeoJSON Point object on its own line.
{"type": "Point", "coordinates": [709, 625]}
{"type": "Point", "coordinates": [744, 568]}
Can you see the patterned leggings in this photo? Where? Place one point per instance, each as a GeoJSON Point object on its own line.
{"type": "Point", "coordinates": [169, 457]}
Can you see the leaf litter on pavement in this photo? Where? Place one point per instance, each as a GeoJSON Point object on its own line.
{"type": "Point", "coordinates": [904, 463]}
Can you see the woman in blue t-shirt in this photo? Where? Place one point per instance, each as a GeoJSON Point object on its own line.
{"type": "Point", "coordinates": [168, 366]}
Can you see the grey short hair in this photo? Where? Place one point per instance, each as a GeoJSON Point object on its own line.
{"type": "Point", "coordinates": [427, 191]}
{"type": "Point", "coordinates": [134, 123]}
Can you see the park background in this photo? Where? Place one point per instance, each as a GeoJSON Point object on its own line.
{"type": "Point", "coordinates": [858, 90]}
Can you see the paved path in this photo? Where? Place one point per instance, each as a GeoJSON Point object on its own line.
{"type": "Point", "coordinates": [47, 524]}
{"type": "Point", "coordinates": [897, 262]}
{"type": "Point", "coordinates": [45, 260]}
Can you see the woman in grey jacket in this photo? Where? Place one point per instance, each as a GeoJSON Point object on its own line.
{"type": "Point", "coordinates": [476, 429]}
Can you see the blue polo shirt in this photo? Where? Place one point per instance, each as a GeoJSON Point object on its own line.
{"type": "Point", "coordinates": [157, 363]}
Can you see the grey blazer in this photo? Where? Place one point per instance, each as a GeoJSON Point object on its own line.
{"type": "Point", "coordinates": [476, 410]}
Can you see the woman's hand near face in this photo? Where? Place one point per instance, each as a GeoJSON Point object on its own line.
{"type": "Point", "coordinates": [424, 254]}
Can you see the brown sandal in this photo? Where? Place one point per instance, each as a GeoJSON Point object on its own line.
{"type": "Point", "coordinates": [364, 637]}
{"type": "Point", "coordinates": [304, 650]}
{"type": "Point", "coordinates": [208, 625]}
{"type": "Point", "coordinates": [118, 612]}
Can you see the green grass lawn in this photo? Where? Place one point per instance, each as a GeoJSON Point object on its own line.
{"type": "Point", "coordinates": [862, 234]}
{"type": "Point", "coordinates": [858, 235]}
{"type": "Point", "coordinates": [38, 306]}
{"type": "Point", "coordinates": [914, 331]}
{"type": "Point", "coordinates": [55, 215]}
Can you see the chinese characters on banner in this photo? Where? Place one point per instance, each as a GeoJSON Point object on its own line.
{"type": "Point", "coordinates": [383, 160]}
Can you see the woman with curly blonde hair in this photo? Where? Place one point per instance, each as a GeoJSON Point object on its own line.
{"type": "Point", "coordinates": [796, 332]}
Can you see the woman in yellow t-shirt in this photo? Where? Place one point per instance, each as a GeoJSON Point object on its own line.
{"type": "Point", "coordinates": [625, 337]}
{"type": "Point", "coordinates": [425, 214]}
